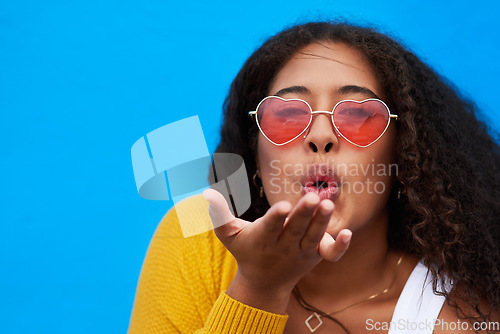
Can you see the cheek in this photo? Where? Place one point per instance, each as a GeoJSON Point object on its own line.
{"type": "Point", "coordinates": [373, 175]}
{"type": "Point", "coordinates": [271, 157]}
{"type": "Point", "coordinates": [367, 184]}
{"type": "Point", "coordinates": [265, 152]}
{"type": "Point", "coordinates": [277, 166]}
{"type": "Point", "coordinates": [269, 166]}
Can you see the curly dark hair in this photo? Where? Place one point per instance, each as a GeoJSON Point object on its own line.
{"type": "Point", "coordinates": [448, 162]}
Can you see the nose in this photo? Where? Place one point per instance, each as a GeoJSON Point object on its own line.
{"type": "Point", "coordinates": [321, 136]}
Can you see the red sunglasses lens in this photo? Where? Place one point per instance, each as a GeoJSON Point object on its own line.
{"type": "Point", "coordinates": [361, 122]}
{"type": "Point", "coordinates": [281, 121]}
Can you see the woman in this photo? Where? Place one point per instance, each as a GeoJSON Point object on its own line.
{"type": "Point", "coordinates": [351, 210]}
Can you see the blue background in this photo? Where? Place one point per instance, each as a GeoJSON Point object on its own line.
{"type": "Point", "coordinates": [81, 81]}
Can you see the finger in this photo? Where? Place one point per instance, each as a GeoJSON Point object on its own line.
{"type": "Point", "coordinates": [299, 219]}
{"type": "Point", "coordinates": [331, 249]}
{"type": "Point", "coordinates": [225, 224]}
{"type": "Point", "coordinates": [269, 226]}
{"type": "Point", "coordinates": [317, 227]}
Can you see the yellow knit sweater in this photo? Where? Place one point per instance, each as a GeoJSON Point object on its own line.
{"type": "Point", "coordinates": [183, 281]}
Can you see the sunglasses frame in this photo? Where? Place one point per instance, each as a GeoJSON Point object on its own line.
{"type": "Point", "coordinates": [254, 113]}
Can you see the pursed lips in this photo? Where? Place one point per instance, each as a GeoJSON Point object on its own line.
{"type": "Point", "coordinates": [322, 180]}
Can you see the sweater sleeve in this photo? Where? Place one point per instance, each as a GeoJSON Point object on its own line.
{"type": "Point", "coordinates": [182, 284]}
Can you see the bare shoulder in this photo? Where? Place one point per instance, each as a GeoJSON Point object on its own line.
{"type": "Point", "coordinates": [448, 321]}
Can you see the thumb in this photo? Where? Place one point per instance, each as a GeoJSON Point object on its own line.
{"type": "Point", "coordinates": [218, 210]}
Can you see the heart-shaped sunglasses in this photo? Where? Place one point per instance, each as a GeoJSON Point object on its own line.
{"type": "Point", "coordinates": [361, 123]}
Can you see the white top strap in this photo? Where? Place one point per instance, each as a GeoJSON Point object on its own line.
{"type": "Point", "coordinates": [418, 307]}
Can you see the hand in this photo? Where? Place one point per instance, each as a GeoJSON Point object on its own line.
{"type": "Point", "coordinates": [276, 250]}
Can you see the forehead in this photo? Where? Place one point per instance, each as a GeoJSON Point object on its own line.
{"type": "Point", "coordinates": [325, 67]}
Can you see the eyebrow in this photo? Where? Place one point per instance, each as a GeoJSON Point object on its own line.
{"type": "Point", "coordinates": [357, 89]}
{"type": "Point", "coordinates": [344, 90]}
{"type": "Point", "coordinates": [292, 90]}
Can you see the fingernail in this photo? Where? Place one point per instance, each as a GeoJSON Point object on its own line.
{"type": "Point", "coordinates": [284, 208]}
{"type": "Point", "coordinates": [312, 200]}
{"type": "Point", "coordinates": [347, 238]}
{"type": "Point", "coordinates": [204, 193]}
{"type": "Point", "coordinates": [327, 206]}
